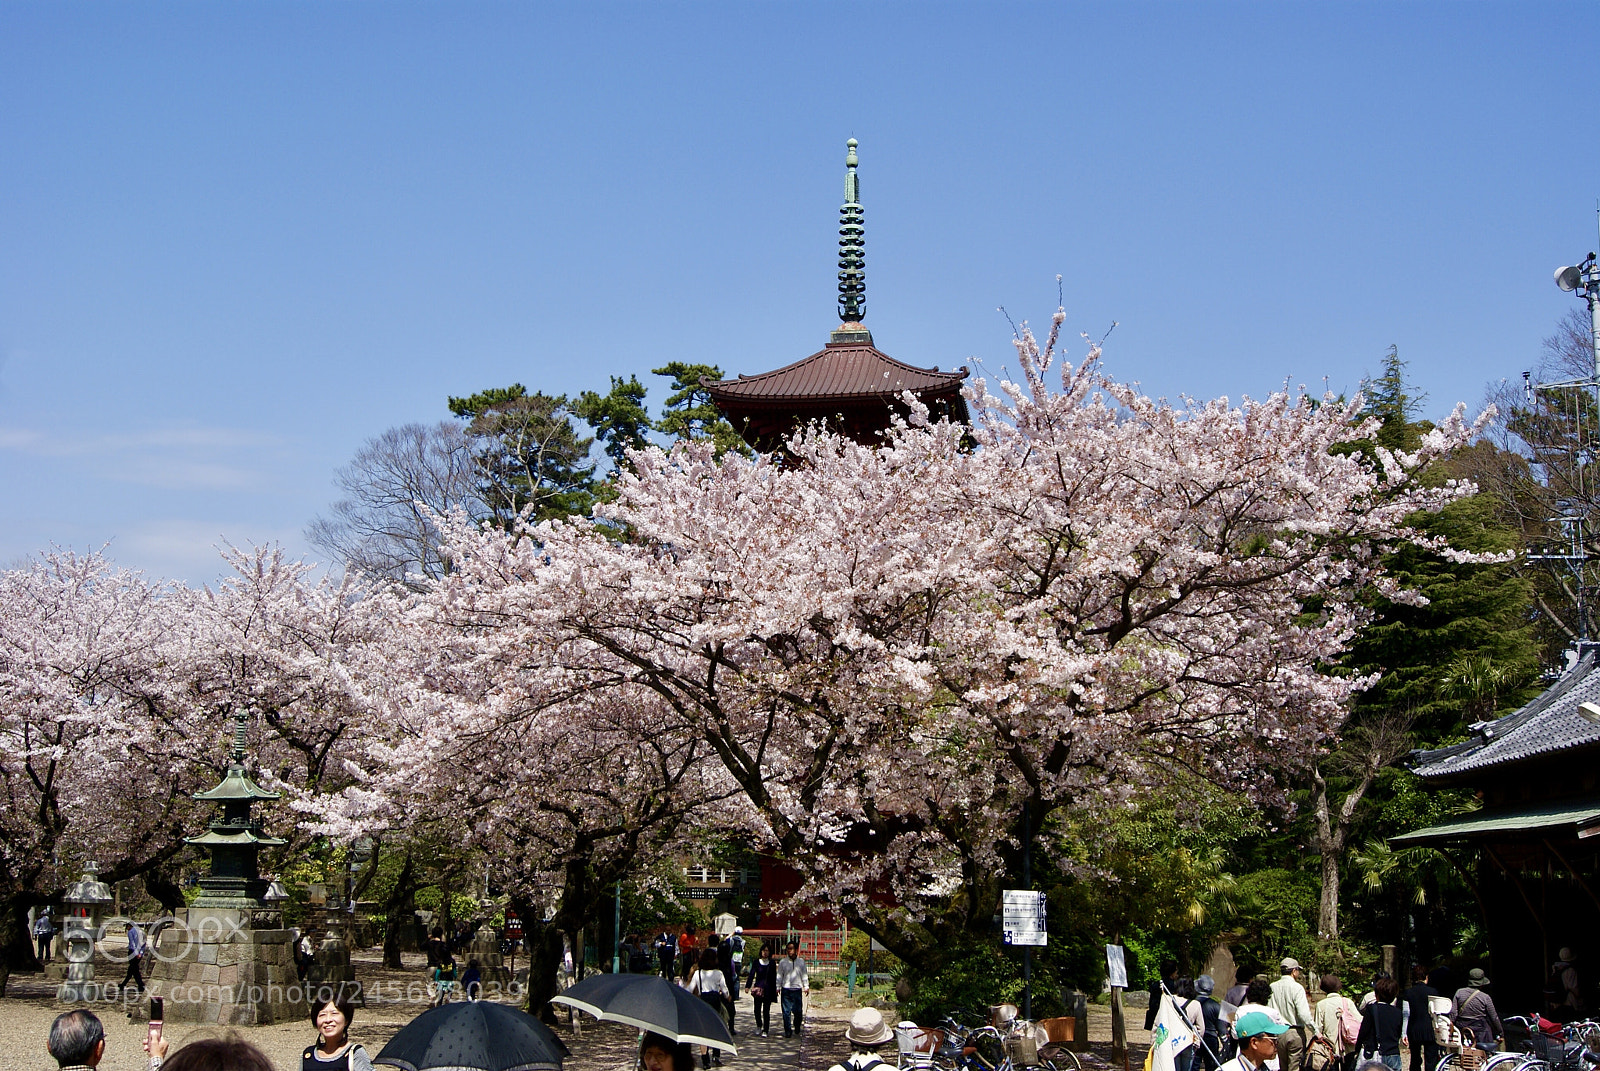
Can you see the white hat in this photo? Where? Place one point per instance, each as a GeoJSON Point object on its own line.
{"type": "Point", "coordinates": [868, 1029]}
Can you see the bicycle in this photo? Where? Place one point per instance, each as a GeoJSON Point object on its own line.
{"type": "Point", "coordinates": [1036, 1044]}
{"type": "Point", "coordinates": [952, 1046]}
{"type": "Point", "coordinates": [1534, 1058]}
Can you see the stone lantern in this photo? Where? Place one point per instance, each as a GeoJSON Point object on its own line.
{"type": "Point", "coordinates": [85, 901]}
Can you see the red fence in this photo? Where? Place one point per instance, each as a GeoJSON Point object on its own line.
{"type": "Point", "coordinates": [820, 948]}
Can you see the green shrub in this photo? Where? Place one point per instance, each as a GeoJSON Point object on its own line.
{"type": "Point", "coordinates": [855, 950]}
{"type": "Point", "coordinates": [965, 985]}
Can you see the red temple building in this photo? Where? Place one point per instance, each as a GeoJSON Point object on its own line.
{"type": "Point", "coordinates": [850, 384]}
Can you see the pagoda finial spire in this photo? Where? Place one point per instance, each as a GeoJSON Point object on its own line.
{"type": "Point", "coordinates": [852, 244]}
{"type": "Point", "coordinates": [238, 754]}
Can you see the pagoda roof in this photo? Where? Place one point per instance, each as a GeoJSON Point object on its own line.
{"type": "Point", "coordinates": [243, 838]}
{"type": "Point", "coordinates": [840, 372]}
{"type": "Point", "coordinates": [236, 786]}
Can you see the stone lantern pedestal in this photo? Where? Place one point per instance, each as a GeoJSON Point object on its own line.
{"type": "Point", "coordinates": [485, 948]}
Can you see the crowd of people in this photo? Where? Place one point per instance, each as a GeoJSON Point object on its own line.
{"type": "Point", "coordinates": [714, 968]}
{"type": "Point", "coordinates": [1261, 1023]}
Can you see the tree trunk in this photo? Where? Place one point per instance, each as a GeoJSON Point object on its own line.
{"type": "Point", "coordinates": [1332, 828]}
{"type": "Point", "coordinates": [447, 914]}
{"type": "Point", "coordinates": [398, 909]}
{"type": "Point", "coordinates": [543, 944]}
{"type": "Point", "coordinates": [161, 885]}
{"type": "Point", "coordinates": [1330, 843]}
{"type": "Point", "coordinates": [16, 944]}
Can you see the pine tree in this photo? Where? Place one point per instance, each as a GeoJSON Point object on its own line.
{"type": "Point", "coordinates": [690, 412]}
{"type": "Point", "coordinates": [528, 455]}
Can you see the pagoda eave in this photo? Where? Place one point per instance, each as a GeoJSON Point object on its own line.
{"type": "Point", "coordinates": [732, 402]}
{"type": "Point", "coordinates": [211, 838]}
{"type": "Point", "coordinates": [236, 786]}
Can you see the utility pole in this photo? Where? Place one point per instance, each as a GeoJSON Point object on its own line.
{"type": "Point", "coordinates": [1571, 553]}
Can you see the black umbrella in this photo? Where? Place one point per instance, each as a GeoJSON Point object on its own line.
{"type": "Point", "coordinates": [650, 1002]}
{"type": "Point", "coordinates": [474, 1036]}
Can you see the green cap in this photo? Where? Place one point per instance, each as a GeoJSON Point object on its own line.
{"type": "Point", "coordinates": [1250, 1024]}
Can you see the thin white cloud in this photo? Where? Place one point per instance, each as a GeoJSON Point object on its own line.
{"type": "Point", "coordinates": [178, 458]}
{"type": "Point", "coordinates": [191, 549]}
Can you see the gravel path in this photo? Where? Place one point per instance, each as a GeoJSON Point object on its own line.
{"type": "Point", "coordinates": [30, 1006]}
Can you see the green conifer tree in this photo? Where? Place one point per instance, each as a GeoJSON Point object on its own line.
{"type": "Point", "coordinates": [528, 454]}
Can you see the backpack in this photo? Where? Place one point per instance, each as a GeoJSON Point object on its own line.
{"type": "Point", "coordinates": [1349, 1026]}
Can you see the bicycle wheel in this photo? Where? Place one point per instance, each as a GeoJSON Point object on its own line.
{"type": "Point", "coordinates": [1064, 1060]}
{"type": "Point", "coordinates": [1507, 1061]}
{"type": "Point", "coordinates": [1451, 1062]}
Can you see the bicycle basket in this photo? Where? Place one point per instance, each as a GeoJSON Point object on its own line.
{"type": "Point", "coordinates": [1023, 1050]}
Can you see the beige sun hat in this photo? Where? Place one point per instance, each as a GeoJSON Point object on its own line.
{"type": "Point", "coordinates": [868, 1029]}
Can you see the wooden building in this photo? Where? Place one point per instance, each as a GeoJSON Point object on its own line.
{"type": "Point", "coordinates": [1531, 853]}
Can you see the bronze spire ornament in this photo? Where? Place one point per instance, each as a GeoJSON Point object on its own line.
{"type": "Point", "coordinates": [852, 245]}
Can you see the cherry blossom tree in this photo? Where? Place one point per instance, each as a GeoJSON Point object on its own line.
{"type": "Point", "coordinates": [907, 657]}
{"type": "Point", "coordinates": [561, 790]}
{"type": "Point", "coordinates": [97, 733]}
{"type": "Point", "coordinates": [117, 698]}
{"type": "Point", "coordinates": [890, 667]}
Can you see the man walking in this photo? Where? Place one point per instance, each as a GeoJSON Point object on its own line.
{"type": "Point", "coordinates": [736, 956]}
{"type": "Point", "coordinates": [43, 931]}
{"type": "Point", "coordinates": [666, 952]}
{"type": "Point", "coordinates": [793, 983]}
{"type": "Point", "coordinates": [1289, 1001]}
{"type": "Point", "coordinates": [730, 976]}
{"type": "Point", "coordinates": [136, 948]}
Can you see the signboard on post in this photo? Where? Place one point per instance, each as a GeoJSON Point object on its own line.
{"type": "Point", "coordinates": [1116, 967]}
{"type": "Point", "coordinates": [1022, 918]}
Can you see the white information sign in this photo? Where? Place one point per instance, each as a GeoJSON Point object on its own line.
{"type": "Point", "coordinates": [1116, 967]}
{"type": "Point", "coordinates": [1022, 917]}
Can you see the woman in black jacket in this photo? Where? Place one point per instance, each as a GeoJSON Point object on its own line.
{"type": "Point", "coordinates": [764, 987]}
{"type": "Point", "coordinates": [1380, 1023]}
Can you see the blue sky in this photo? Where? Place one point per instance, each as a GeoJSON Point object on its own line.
{"type": "Point", "coordinates": [236, 240]}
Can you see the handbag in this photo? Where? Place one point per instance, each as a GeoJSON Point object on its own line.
{"type": "Point", "coordinates": [1321, 1054]}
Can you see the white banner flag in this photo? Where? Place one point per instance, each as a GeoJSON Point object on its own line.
{"type": "Point", "coordinates": [1173, 1034]}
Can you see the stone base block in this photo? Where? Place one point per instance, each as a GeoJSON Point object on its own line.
{"type": "Point", "coordinates": [228, 975]}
